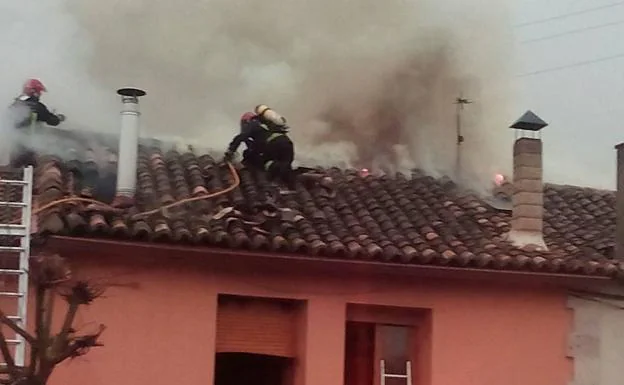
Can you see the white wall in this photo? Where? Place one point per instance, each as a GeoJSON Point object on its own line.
{"type": "Point", "coordinates": [596, 344]}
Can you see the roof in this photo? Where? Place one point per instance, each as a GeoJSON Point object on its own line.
{"type": "Point", "coordinates": [403, 219]}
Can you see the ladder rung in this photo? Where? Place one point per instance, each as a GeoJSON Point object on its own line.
{"type": "Point", "coordinates": [14, 182]}
{"type": "Point", "coordinates": [10, 294]}
{"type": "Point", "coordinates": [11, 248]}
{"type": "Point", "coordinates": [395, 376]}
{"type": "Point", "coordinates": [407, 376]}
{"type": "Point", "coordinates": [17, 230]}
{"type": "Point", "coordinates": [13, 204]}
{"type": "Point", "coordinates": [11, 271]}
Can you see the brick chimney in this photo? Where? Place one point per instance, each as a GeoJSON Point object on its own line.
{"type": "Point", "coordinates": [619, 203]}
{"type": "Point", "coordinates": [528, 196]}
{"type": "Point", "coordinates": [128, 146]}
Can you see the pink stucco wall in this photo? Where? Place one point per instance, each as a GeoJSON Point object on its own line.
{"type": "Point", "coordinates": [160, 317]}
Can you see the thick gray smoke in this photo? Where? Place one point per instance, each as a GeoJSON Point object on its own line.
{"type": "Point", "coordinates": [367, 83]}
{"type": "Point", "coordinates": [42, 40]}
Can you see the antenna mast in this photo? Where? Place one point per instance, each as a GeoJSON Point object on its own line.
{"type": "Point", "coordinates": [460, 102]}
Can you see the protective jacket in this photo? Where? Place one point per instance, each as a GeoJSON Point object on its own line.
{"type": "Point", "coordinates": [27, 110]}
{"type": "Point", "coordinates": [256, 135]}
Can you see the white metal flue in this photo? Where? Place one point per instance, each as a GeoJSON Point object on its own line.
{"type": "Point", "coordinates": [22, 230]}
{"type": "Point", "coordinates": [128, 141]}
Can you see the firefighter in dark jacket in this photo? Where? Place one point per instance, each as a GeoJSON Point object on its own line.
{"type": "Point", "coordinates": [28, 109]}
{"type": "Point", "coordinates": [268, 131]}
{"type": "Point", "coordinates": [252, 135]}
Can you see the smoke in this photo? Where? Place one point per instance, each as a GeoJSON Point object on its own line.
{"type": "Point", "coordinates": [364, 83]}
{"type": "Point", "coordinates": [42, 40]}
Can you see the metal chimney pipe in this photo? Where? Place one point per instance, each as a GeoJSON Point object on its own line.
{"type": "Point", "coordinates": [128, 142]}
{"type": "Point", "coordinates": [619, 203]}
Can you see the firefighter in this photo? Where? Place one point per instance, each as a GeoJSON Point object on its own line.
{"type": "Point", "coordinates": [279, 150]}
{"type": "Point", "coordinates": [25, 114]}
{"type": "Point", "coordinates": [33, 110]}
{"type": "Point", "coordinates": [271, 142]}
{"type": "Point", "coordinates": [279, 154]}
{"type": "Point", "coordinates": [253, 135]}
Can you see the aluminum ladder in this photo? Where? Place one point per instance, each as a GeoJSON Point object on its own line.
{"type": "Point", "coordinates": [16, 293]}
{"type": "Point", "coordinates": [407, 376]}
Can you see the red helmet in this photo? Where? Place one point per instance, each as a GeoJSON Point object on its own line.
{"type": "Point", "coordinates": [247, 116]}
{"type": "Point", "coordinates": [33, 87]}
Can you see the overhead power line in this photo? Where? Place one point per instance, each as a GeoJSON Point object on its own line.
{"type": "Point", "coordinates": [573, 65]}
{"type": "Point", "coordinates": [593, 27]}
{"type": "Point", "coordinates": [545, 20]}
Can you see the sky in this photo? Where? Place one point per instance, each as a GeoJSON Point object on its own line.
{"type": "Point", "coordinates": [569, 72]}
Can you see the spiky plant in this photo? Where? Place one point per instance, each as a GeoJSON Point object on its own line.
{"type": "Point", "coordinates": [51, 278]}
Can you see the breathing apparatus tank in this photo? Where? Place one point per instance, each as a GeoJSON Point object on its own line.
{"type": "Point", "coordinates": [268, 115]}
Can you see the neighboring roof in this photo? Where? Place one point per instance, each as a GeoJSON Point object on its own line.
{"type": "Point", "coordinates": [414, 219]}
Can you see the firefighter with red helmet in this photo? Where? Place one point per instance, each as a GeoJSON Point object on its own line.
{"type": "Point", "coordinates": [253, 135]}
{"type": "Point", "coordinates": [268, 145]}
{"type": "Point", "coordinates": [33, 110]}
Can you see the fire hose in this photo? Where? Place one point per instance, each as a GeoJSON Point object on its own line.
{"type": "Point", "coordinates": [145, 214]}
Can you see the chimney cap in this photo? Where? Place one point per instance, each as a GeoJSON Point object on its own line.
{"type": "Point", "coordinates": [529, 121]}
{"type": "Point", "coordinates": [131, 91]}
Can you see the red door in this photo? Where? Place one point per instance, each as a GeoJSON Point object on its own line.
{"type": "Point", "coordinates": [359, 353]}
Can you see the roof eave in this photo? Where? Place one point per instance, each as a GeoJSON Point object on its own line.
{"type": "Point", "coordinates": [257, 259]}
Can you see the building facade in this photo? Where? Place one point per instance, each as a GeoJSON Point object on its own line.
{"type": "Point", "coordinates": [204, 317]}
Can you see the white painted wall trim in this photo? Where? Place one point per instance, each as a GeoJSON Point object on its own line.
{"type": "Point", "coordinates": [596, 342]}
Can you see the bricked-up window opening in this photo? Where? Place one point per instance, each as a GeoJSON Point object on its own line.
{"type": "Point", "coordinates": [397, 335]}
{"type": "Point", "coordinates": [252, 369]}
{"type": "Point", "coordinates": [368, 343]}
{"type": "Point", "coordinates": [394, 350]}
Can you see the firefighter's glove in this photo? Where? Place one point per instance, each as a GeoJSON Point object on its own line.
{"type": "Point", "coordinates": [61, 117]}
